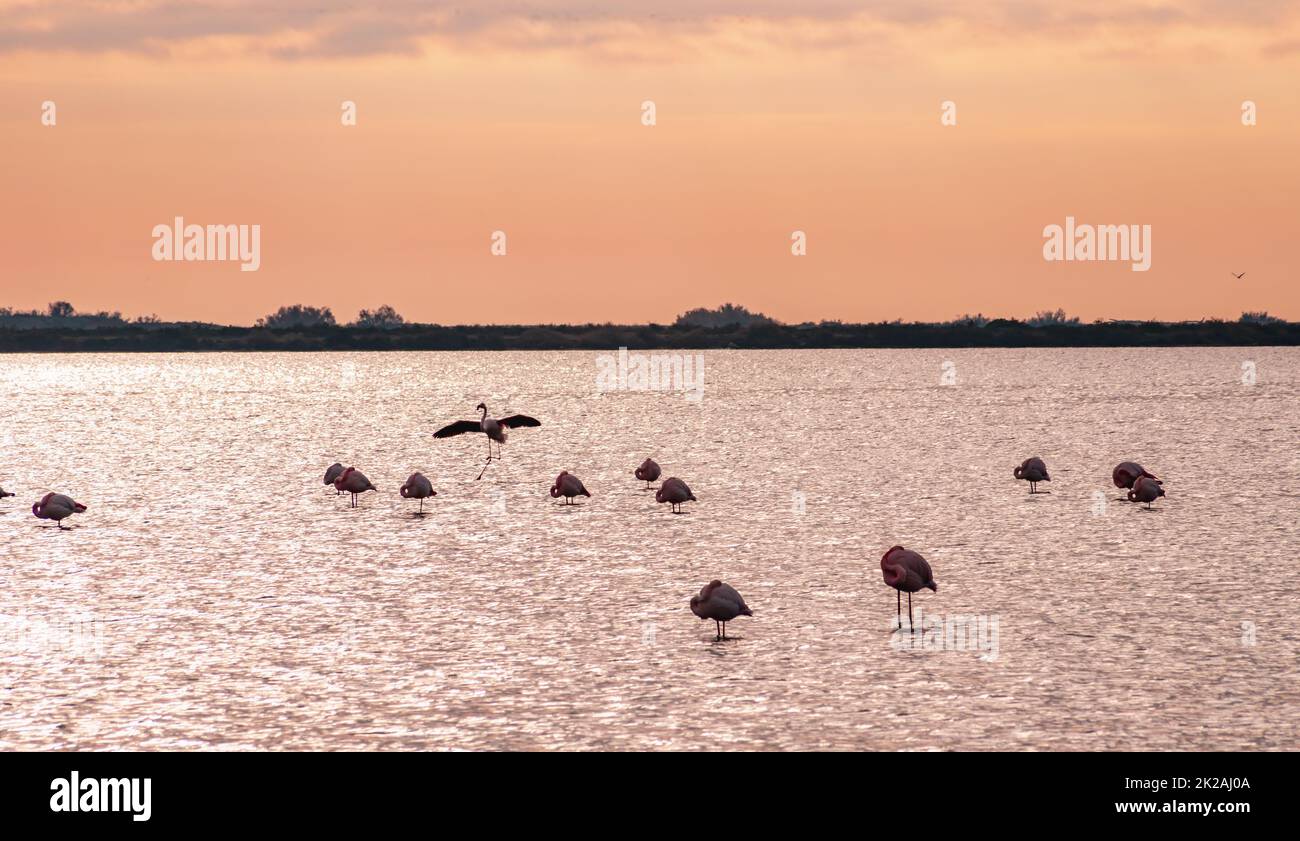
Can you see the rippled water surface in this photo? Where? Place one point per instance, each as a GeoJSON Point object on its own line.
{"type": "Point", "coordinates": [217, 595]}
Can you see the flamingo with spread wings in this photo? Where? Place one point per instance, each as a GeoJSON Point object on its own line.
{"type": "Point", "coordinates": [493, 428]}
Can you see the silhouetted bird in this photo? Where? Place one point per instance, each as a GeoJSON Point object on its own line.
{"type": "Point", "coordinates": [675, 492]}
{"type": "Point", "coordinates": [1128, 472]}
{"type": "Point", "coordinates": [721, 603]}
{"type": "Point", "coordinates": [1033, 471]}
{"type": "Point", "coordinates": [57, 507]}
{"type": "Point", "coordinates": [568, 486]}
{"type": "Point", "coordinates": [907, 572]}
{"type": "Point", "coordinates": [1145, 490]}
{"type": "Point", "coordinates": [332, 472]}
{"type": "Point", "coordinates": [418, 487]}
{"type": "Point", "coordinates": [647, 472]}
{"type": "Point", "coordinates": [493, 428]}
{"type": "Point", "coordinates": [353, 481]}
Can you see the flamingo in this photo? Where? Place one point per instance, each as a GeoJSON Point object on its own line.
{"type": "Point", "coordinates": [353, 481]}
{"type": "Point", "coordinates": [57, 507]}
{"type": "Point", "coordinates": [907, 572]}
{"type": "Point", "coordinates": [493, 428]}
{"type": "Point", "coordinates": [647, 472]}
{"type": "Point", "coordinates": [675, 492]}
{"type": "Point", "coordinates": [721, 603]}
{"type": "Point", "coordinates": [1145, 490]}
{"type": "Point", "coordinates": [1033, 470]}
{"type": "Point", "coordinates": [568, 486]}
{"type": "Point", "coordinates": [418, 487]}
{"type": "Point", "coordinates": [1126, 473]}
{"type": "Point", "coordinates": [4, 493]}
{"type": "Point", "coordinates": [333, 472]}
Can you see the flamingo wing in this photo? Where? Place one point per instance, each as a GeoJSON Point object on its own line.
{"type": "Point", "coordinates": [516, 421]}
{"type": "Point", "coordinates": [458, 428]}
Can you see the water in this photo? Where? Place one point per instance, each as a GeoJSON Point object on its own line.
{"type": "Point", "coordinates": [217, 595]}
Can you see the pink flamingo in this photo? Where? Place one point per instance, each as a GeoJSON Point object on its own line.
{"type": "Point", "coordinates": [353, 481]}
{"type": "Point", "coordinates": [907, 572]}
{"type": "Point", "coordinates": [1126, 473]}
{"type": "Point", "coordinates": [57, 507]}
{"type": "Point", "coordinates": [1033, 471]}
{"type": "Point", "coordinates": [333, 472]}
{"type": "Point", "coordinates": [568, 486]}
{"type": "Point", "coordinates": [1145, 490]}
{"type": "Point", "coordinates": [418, 487]}
{"type": "Point", "coordinates": [493, 428]}
{"type": "Point", "coordinates": [647, 472]}
{"type": "Point", "coordinates": [721, 603]}
{"type": "Point", "coordinates": [675, 492]}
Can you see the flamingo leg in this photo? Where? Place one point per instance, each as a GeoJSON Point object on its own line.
{"type": "Point", "coordinates": [899, 593]}
{"type": "Point", "coordinates": [911, 626]}
{"type": "Point", "coordinates": [724, 630]}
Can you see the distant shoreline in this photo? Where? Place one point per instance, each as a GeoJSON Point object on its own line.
{"type": "Point", "coordinates": [162, 338]}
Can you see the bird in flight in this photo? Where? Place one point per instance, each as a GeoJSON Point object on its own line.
{"type": "Point", "coordinates": [493, 428]}
{"type": "Point", "coordinates": [1237, 276]}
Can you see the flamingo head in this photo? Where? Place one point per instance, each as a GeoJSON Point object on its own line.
{"type": "Point", "coordinates": [1018, 471]}
{"type": "Point", "coordinates": [343, 477]}
{"type": "Point", "coordinates": [893, 572]}
{"type": "Point", "coordinates": [39, 508]}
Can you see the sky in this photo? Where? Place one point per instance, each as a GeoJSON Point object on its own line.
{"type": "Point", "coordinates": [527, 118]}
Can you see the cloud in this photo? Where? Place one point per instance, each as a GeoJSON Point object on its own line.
{"type": "Point", "coordinates": [335, 28]}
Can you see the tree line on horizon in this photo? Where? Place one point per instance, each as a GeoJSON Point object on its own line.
{"type": "Point", "coordinates": [725, 317]}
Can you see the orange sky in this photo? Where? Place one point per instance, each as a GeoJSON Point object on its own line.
{"type": "Point", "coordinates": [826, 122]}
